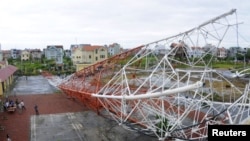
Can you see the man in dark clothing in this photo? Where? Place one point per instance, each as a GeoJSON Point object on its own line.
{"type": "Point", "coordinates": [8, 137]}
{"type": "Point", "coordinates": [36, 110]}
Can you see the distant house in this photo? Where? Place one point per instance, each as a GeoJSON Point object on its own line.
{"type": "Point", "coordinates": [195, 52]}
{"type": "Point", "coordinates": [210, 49]}
{"type": "Point", "coordinates": [15, 53]}
{"type": "Point", "coordinates": [25, 55]}
{"type": "Point", "coordinates": [114, 49]}
{"type": "Point", "coordinates": [89, 54]}
{"type": "Point", "coordinates": [95, 54]}
{"type": "Point", "coordinates": [180, 49]}
{"type": "Point", "coordinates": [77, 55]}
{"type": "Point", "coordinates": [222, 53]}
{"type": "Point", "coordinates": [6, 76]}
{"type": "Point", "coordinates": [54, 52]}
{"type": "Point", "coordinates": [232, 51]}
{"type": "Point", "coordinates": [36, 54]}
{"type": "Point", "coordinates": [6, 54]}
{"type": "Point", "coordinates": [160, 50]}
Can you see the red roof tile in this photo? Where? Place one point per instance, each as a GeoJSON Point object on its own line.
{"type": "Point", "coordinates": [91, 48]}
{"type": "Point", "coordinates": [6, 72]}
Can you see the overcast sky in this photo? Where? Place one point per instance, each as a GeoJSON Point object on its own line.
{"type": "Point", "coordinates": [131, 23]}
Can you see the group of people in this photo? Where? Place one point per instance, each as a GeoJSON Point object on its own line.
{"type": "Point", "coordinates": [12, 104]}
{"type": "Point", "coordinates": [9, 103]}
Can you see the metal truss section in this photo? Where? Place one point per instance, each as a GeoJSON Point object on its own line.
{"type": "Point", "coordinates": [167, 88]}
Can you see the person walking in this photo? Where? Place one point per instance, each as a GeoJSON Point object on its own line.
{"type": "Point", "coordinates": [8, 137]}
{"type": "Point", "coordinates": [22, 105]}
{"type": "Point", "coordinates": [20, 109]}
{"type": "Point", "coordinates": [36, 110]}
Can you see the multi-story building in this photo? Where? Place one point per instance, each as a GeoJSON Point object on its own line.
{"type": "Point", "coordinates": [160, 50]}
{"type": "Point", "coordinates": [222, 53]}
{"type": "Point", "coordinates": [15, 53]}
{"type": "Point", "coordinates": [195, 52]}
{"type": "Point", "coordinates": [114, 49]}
{"type": "Point", "coordinates": [36, 54]}
{"type": "Point", "coordinates": [95, 54]}
{"type": "Point", "coordinates": [89, 54]}
{"type": "Point", "coordinates": [77, 55]}
{"type": "Point", "coordinates": [54, 52]}
{"type": "Point", "coordinates": [6, 54]}
{"type": "Point", "coordinates": [211, 49]}
{"type": "Point", "coordinates": [25, 55]}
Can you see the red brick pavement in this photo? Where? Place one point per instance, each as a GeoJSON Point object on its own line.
{"type": "Point", "coordinates": [17, 125]}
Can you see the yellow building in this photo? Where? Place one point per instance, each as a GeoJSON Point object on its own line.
{"type": "Point", "coordinates": [93, 54]}
{"type": "Point", "coordinates": [88, 55]}
{"type": "Point", "coordinates": [6, 76]}
{"type": "Point", "coordinates": [81, 66]}
{"type": "Point", "coordinates": [77, 55]}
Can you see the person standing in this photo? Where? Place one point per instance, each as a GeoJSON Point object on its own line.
{"type": "Point", "coordinates": [36, 110]}
{"type": "Point", "coordinates": [20, 109]}
{"type": "Point", "coordinates": [8, 137]}
{"type": "Point", "coordinates": [14, 92]}
{"type": "Point", "coordinates": [22, 105]}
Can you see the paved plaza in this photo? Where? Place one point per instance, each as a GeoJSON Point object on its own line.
{"type": "Point", "coordinates": [32, 85]}
{"type": "Point", "coordinates": [60, 119]}
{"type": "Point", "coordinates": [80, 126]}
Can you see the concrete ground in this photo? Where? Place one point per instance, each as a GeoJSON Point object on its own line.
{"type": "Point", "coordinates": [80, 126]}
{"type": "Point", "coordinates": [32, 85]}
{"type": "Point", "coordinates": [60, 119]}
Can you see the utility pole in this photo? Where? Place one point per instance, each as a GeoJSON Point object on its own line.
{"type": "Point", "coordinates": [244, 55]}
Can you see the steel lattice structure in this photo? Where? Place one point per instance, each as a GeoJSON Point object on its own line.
{"type": "Point", "coordinates": [167, 88]}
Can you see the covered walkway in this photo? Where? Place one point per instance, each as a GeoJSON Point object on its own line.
{"type": "Point", "coordinates": [6, 78]}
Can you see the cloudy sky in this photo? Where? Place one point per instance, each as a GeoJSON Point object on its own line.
{"type": "Point", "coordinates": [131, 23]}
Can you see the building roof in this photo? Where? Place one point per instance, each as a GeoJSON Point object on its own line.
{"type": "Point", "coordinates": [35, 50]}
{"type": "Point", "coordinates": [6, 72]}
{"type": "Point", "coordinates": [91, 48]}
{"type": "Point", "coordinates": [114, 45]}
{"type": "Point", "coordinates": [6, 51]}
{"type": "Point", "coordinates": [56, 46]}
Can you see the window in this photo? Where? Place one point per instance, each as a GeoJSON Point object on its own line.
{"type": "Point", "coordinates": [102, 56]}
